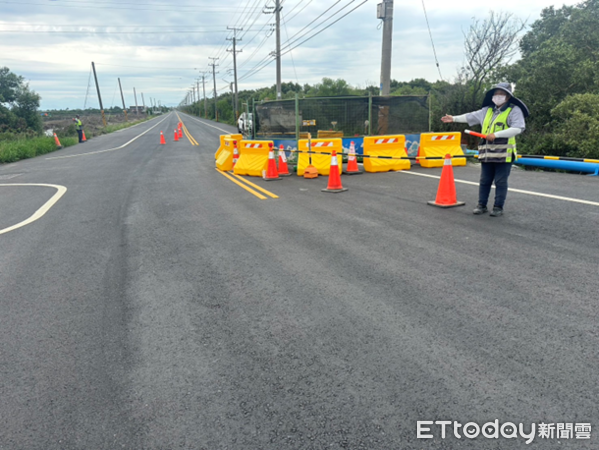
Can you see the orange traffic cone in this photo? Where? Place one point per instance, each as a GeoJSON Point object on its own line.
{"type": "Point", "coordinates": [283, 169]}
{"type": "Point", "coordinates": [352, 161]}
{"type": "Point", "coordinates": [180, 132]}
{"type": "Point", "coordinates": [176, 136]}
{"type": "Point", "coordinates": [446, 194]}
{"type": "Point", "coordinates": [334, 177]}
{"type": "Point", "coordinates": [58, 144]}
{"type": "Point", "coordinates": [235, 154]}
{"type": "Point", "coordinates": [271, 173]}
{"type": "Point", "coordinates": [83, 139]}
{"type": "Point", "coordinates": [162, 141]}
{"type": "Point", "coordinates": [418, 156]}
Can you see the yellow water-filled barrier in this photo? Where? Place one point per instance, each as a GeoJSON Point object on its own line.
{"type": "Point", "coordinates": [253, 158]}
{"type": "Point", "coordinates": [237, 137]}
{"type": "Point", "coordinates": [322, 162]}
{"type": "Point", "coordinates": [393, 145]}
{"type": "Point", "coordinates": [224, 161]}
{"type": "Point", "coordinates": [440, 144]}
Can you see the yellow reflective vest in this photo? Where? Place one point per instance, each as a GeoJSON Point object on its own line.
{"type": "Point", "coordinates": [501, 150]}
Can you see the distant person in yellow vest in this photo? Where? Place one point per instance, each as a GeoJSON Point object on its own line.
{"type": "Point", "coordinates": [79, 128]}
{"type": "Point", "coordinates": [502, 119]}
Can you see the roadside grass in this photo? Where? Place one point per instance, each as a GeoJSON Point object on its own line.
{"type": "Point", "coordinates": [11, 151]}
{"type": "Point", "coordinates": [15, 148]}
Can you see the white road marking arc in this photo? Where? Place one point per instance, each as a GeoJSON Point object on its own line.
{"type": "Point", "coordinates": [110, 149]}
{"type": "Point", "coordinates": [41, 211]}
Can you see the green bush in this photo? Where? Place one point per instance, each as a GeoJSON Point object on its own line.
{"type": "Point", "coordinates": [578, 127]}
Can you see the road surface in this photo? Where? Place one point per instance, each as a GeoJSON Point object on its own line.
{"type": "Point", "coordinates": [155, 304]}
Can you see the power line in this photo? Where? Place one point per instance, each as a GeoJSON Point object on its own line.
{"type": "Point", "coordinates": [432, 42]}
{"type": "Point", "coordinates": [291, 18]}
{"type": "Point", "coordinates": [218, 10]}
{"type": "Point", "coordinates": [327, 27]}
{"type": "Point", "coordinates": [291, 54]}
{"type": "Point", "coordinates": [258, 67]}
{"type": "Point", "coordinates": [322, 14]}
{"type": "Point", "coordinates": [288, 43]}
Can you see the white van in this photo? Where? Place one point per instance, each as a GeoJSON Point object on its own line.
{"type": "Point", "coordinates": [244, 126]}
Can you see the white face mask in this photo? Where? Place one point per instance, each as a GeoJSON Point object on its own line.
{"type": "Point", "coordinates": [499, 99]}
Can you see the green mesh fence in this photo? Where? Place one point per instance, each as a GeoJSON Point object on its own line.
{"type": "Point", "coordinates": [343, 116]}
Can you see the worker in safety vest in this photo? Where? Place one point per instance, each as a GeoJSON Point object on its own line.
{"type": "Point", "coordinates": [79, 128]}
{"type": "Point", "coordinates": [502, 119]}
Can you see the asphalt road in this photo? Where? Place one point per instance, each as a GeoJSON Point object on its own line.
{"type": "Point", "coordinates": [157, 305]}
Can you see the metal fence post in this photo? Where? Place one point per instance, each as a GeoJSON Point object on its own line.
{"type": "Point", "coordinates": [254, 118]}
{"type": "Point", "coordinates": [430, 110]}
{"type": "Point", "coordinates": [297, 124]}
{"type": "Point", "coordinates": [370, 114]}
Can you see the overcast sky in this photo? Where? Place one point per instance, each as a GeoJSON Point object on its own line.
{"type": "Point", "coordinates": [161, 46]}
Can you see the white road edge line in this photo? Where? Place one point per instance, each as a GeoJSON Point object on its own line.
{"type": "Point", "coordinates": [204, 123]}
{"type": "Point", "coordinates": [110, 149]}
{"type": "Point", "coordinates": [40, 212]}
{"type": "Point", "coordinates": [519, 191]}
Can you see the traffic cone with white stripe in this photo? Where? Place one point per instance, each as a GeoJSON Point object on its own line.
{"type": "Point", "coordinates": [271, 172]}
{"type": "Point", "coordinates": [352, 161]}
{"type": "Point", "coordinates": [83, 139]}
{"type": "Point", "coordinates": [58, 144]}
{"type": "Point", "coordinates": [334, 185]}
{"type": "Point", "coordinates": [235, 154]}
{"type": "Point", "coordinates": [283, 169]}
{"type": "Point", "coordinates": [176, 136]}
{"type": "Point", "coordinates": [446, 194]}
{"type": "Point", "coordinates": [162, 141]}
{"type": "Point", "coordinates": [180, 132]}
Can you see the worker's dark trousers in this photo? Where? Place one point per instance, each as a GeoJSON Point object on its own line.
{"type": "Point", "coordinates": [498, 172]}
{"type": "Point", "coordinates": [80, 133]}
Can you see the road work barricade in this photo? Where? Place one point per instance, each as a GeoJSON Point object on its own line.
{"type": "Point", "coordinates": [253, 158]}
{"type": "Point", "coordinates": [224, 161]}
{"type": "Point", "coordinates": [393, 146]}
{"type": "Point", "coordinates": [321, 155]}
{"type": "Point", "coordinates": [438, 145]}
{"type": "Point", "coordinates": [236, 137]}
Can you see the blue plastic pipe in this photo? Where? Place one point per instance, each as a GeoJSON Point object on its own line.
{"type": "Point", "coordinates": [575, 166]}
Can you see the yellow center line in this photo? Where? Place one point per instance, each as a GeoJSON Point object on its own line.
{"type": "Point", "coordinates": [251, 191]}
{"type": "Point", "coordinates": [187, 133]}
{"type": "Point", "coordinates": [270, 194]}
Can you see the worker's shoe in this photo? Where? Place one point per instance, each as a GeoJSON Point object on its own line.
{"type": "Point", "coordinates": [480, 209]}
{"type": "Point", "coordinates": [497, 211]}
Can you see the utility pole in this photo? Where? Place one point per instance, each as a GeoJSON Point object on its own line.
{"type": "Point", "coordinates": [233, 99]}
{"type": "Point", "coordinates": [278, 50]}
{"type": "Point", "coordinates": [214, 65]}
{"type": "Point", "coordinates": [235, 51]}
{"type": "Point", "coordinates": [143, 102]}
{"type": "Point", "coordinates": [204, 88]}
{"type": "Point", "coordinates": [123, 99]}
{"type": "Point", "coordinates": [99, 96]}
{"type": "Point", "coordinates": [198, 85]}
{"type": "Point", "coordinates": [385, 12]}
{"type": "Point", "coordinates": [136, 108]}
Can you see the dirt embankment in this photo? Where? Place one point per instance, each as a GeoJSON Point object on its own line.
{"type": "Point", "coordinates": [92, 124]}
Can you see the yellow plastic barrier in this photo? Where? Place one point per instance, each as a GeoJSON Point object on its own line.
{"type": "Point", "coordinates": [237, 137]}
{"type": "Point", "coordinates": [394, 146]}
{"type": "Point", "coordinates": [225, 158]}
{"type": "Point", "coordinates": [440, 144]}
{"type": "Point", "coordinates": [321, 162]}
{"type": "Point", "coordinates": [253, 158]}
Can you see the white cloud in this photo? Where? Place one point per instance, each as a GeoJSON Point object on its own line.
{"type": "Point", "coordinates": [149, 47]}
